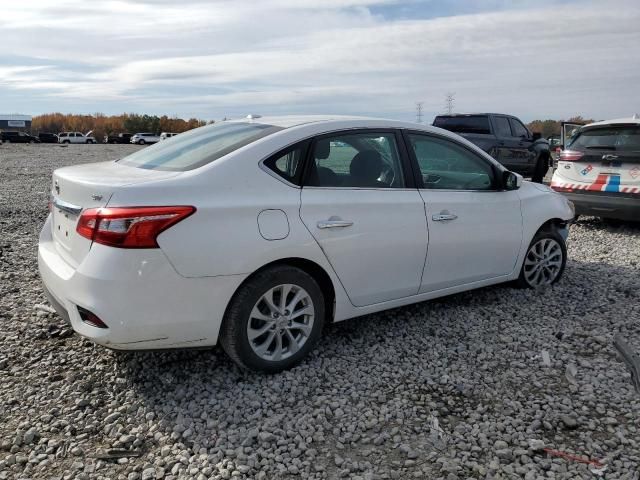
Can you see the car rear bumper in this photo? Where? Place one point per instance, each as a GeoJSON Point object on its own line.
{"type": "Point", "coordinates": [143, 301]}
{"type": "Point", "coordinates": [621, 207]}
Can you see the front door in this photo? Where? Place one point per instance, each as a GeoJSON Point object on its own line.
{"type": "Point", "coordinates": [358, 205]}
{"type": "Point", "coordinates": [475, 228]}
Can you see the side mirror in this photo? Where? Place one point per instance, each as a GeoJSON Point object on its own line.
{"type": "Point", "coordinates": [511, 180]}
{"type": "Point", "coordinates": [536, 136]}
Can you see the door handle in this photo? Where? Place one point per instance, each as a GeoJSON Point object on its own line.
{"type": "Point", "coordinates": [334, 222]}
{"type": "Point", "coordinates": [443, 217]}
{"type": "Point", "coordinates": [609, 157]}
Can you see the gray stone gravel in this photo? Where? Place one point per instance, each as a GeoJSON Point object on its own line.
{"type": "Point", "coordinates": [454, 389]}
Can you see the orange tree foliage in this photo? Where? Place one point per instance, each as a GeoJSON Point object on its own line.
{"type": "Point", "coordinates": [552, 127]}
{"type": "Point", "coordinates": [104, 125]}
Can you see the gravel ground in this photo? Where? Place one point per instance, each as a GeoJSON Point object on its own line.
{"type": "Point", "coordinates": [454, 388]}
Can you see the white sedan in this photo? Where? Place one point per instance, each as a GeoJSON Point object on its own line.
{"type": "Point", "coordinates": [256, 233]}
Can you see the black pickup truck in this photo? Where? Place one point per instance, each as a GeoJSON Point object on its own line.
{"type": "Point", "coordinates": [505, 138]}
{"type": "Point", "coordinates": [117, 138]}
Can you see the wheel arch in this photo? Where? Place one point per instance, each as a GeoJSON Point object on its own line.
{"type": "Point", "coordinates": [311, 268]}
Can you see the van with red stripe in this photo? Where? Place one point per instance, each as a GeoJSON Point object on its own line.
{"type": "Point", "coordinates": [599, 170]}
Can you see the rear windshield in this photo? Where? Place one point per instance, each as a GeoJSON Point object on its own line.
{"type": "Point", "coordinates": [466, 124]}
{"type": "Point", "coordinates": [624, 138]}
{"type": "Point", "coordinates": [198, 147]}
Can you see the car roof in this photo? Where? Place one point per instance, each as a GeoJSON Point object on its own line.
{"type": "Point", "coordinates": [616, 121]}
{"type": "Point", "coordinates": [329, 121]}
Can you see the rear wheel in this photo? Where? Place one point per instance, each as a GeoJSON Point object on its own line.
{"type": "Point", "coordinates": [66, 141]}
{"type": "Point", "coordinates": [274, 320]}
{"type": "Point", "coordinates": [545, 260]}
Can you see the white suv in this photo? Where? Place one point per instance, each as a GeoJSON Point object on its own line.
{"type": "Point", "coordinates": [144, 138]}
{"type": "Point", "coordinates": [167, 135]}
{"type": "Point", "coordinates": [599, 170]}
{"type": "Point", "coordinates": [76, 137]}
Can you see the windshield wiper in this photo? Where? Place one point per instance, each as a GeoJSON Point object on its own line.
{"type": "Point", "coordinates": [601, 147]}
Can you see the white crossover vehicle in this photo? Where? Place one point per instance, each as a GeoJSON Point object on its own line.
{"type": "Point", "coordinates": [145, 138]}
{"type": "Point", "coordinates": [599, 171]}
{"type": "Point", "coordinates": [257, 233]}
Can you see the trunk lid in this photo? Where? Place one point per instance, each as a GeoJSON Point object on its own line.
{"type": "Point", "coordinates": [88, 186]}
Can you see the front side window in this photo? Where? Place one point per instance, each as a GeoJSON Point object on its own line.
{"type": "Point", "coordinates": [445, 165]}
{"type": "Point", "coordinates": [356, 160]}
{"type": "Point", "coordinates": [199, 147]}
{"type": "Point", "coordinates": [502, 126]}
{"type": "Point", "coordinates": [519, 130]}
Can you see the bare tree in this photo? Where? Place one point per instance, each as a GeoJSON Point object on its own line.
{"type": "Point", "coordinates": [450, 102]}
{"type": "Point", "coordinates": [419, 112]}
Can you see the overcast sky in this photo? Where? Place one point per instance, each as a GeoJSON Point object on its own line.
{"type": "Point", "coordinates": [211, 59]}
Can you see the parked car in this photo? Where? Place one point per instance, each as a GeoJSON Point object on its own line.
{"type": "Point", "coordinates": [165, 135]}
{"type": "Point", "coordinates": [144, 138]}
{"type": "Point", "coordinates": [76, 137]}
{"type": "Point", "coordinates": [46, 137]}
{"type": "Point", "coordinates": [118, 138]}
{"type": "Point", "coordinates": [599, 170]}
{"type": "Point", "coordinates": [18, 137]}
{"type": "Point", "coordinates": [256, 233]}
{"type": "Point", "coordinates": [505, 138]}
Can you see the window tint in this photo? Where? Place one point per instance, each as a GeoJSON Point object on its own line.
{"type": "Point", "coordinates": [448, 166]}
{"type": "Point", "coordinates": [478, 124]}
{"type": "Point", "coordinates": [363, 160]}
{"type": "Point", "coordinates": [198, 147]}
{"type": "Point", "coordinates": [288, 164]}
{"type": "Point", "coordinates": [519, 130]}
{"type": "Point", "coordinates": [622, 139]}
{"type": "Point", "coordinates": [502, 126]}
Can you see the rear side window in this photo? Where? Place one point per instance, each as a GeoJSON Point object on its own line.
{"type": "Point", "coordinates": [288, 163]}
{"type": "Point", "coordinates": [467, 124]}
{"type": "Point", "coordinates": [199, 147]}
{"type": "Point", "coordinates": [502, 126]}
{"type": "Point", "coordinates": [622, 139]}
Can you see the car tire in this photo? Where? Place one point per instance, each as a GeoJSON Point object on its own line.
{"type": "Point", "coordinates": [66, 141]}
{"type": "Point", "coordinates": [545, 260]}
{"type": "Point", "coordinates": [141, 142]}
{"type": "Point", "coordinates": [260, 332]}
{"type": "Point", "coordinates": [7, 141]}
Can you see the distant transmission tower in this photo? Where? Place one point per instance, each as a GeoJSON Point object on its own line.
{"type": "Point", "coordinates": [419, 112]}
{"type": "Point", "coordinates": [450, 101]}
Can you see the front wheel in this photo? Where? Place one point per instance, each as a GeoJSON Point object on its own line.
{"type": "Point", "coordinates": [274, 320]}
{"type": "Point", "coordinates": [545, 260]}
{"type": "Point", "coordinates": [141, 142]}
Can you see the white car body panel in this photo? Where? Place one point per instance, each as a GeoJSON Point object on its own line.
{"type": "Point", "coordinates": [489, 252]}
{"type": "Point", "coordinates": [176, 295]}
{"type": "Point", "coordinates": [381, 256]}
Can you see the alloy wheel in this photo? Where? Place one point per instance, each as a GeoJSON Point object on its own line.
{"type": "Point", "coordinates": [543, 262]}
{"type": "Point", "coordinates": [280, 322]}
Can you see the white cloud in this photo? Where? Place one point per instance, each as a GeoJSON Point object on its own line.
{"type": "Point", "coordinates": [225, 57]}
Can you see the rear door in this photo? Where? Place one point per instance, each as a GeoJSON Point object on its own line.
{"type": "Point", "coordinates": [505, 142]}
{"type": "Point", "coordinates": [362, 208]}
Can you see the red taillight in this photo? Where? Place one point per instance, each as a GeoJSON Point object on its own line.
{"type": "Point", "coordinates": [570, 156]}
{"type": "Point", "coordinates": [129, 227]}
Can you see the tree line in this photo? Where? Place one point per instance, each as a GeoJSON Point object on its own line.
{"type": "Point", "coordinates": [552, 127]}
{"type": "Point", "coordinates": [107, 124]}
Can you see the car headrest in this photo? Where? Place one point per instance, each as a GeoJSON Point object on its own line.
{"type": "Point", "coordinates": [323, 147]}
{"type": "Point", "coordinates": [366, 167]}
